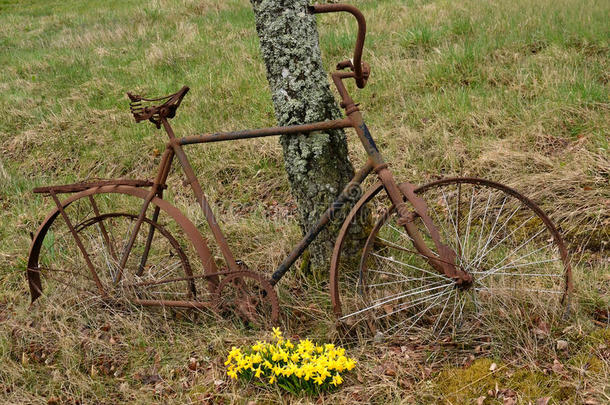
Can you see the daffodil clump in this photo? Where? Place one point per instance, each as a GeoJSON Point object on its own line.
{"type": "Point", "coordinates": [295, 367]}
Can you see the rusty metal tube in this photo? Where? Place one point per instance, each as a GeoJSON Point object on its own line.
{"type": "Point", "coordinates": [80, 245]}
{"type": "Point", "coordinates": [357, 61]}
{"type": "Point", "coordinates": [322, 222]}
{"type": "Point", "coordinates": [172, 303]}
{"type": "Point", "coordinates": [262, 132]}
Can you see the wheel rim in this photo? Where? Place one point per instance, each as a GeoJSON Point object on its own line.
{"type": "Point", "coordinates": [514, 253]}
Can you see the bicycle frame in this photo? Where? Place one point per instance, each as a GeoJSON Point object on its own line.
{"type": "Point", "coordinates": [175, 148]}
{"type": "Point", "coordinates": [444, 261]}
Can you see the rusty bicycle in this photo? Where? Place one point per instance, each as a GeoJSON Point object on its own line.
{"type": "Point", "coordinates": [436, 254]}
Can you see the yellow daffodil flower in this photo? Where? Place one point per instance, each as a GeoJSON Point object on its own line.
{"type": "Point", "coordinates": [337, 380]}
{"type": "Point", "coordinates": [258, 372]}
{"type": "Point", "coordinates": [307, 366]}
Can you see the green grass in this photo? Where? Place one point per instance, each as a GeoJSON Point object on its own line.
{"type": "Point", "coordinates": [512, 91]}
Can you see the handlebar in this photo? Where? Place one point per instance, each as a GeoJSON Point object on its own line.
{"type": "Point", "coordinates": [361, 70]}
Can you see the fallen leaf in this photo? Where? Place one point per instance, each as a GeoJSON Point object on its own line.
{"type": "Point", "coordinates": [507, 392]}
{"type": "Point", "coordinates": [509, 401]}
{"type": "Point", "coordinates": [157, 362]}
{"type": "Point", "coordinates": [540, 332]}
{"type": "Point", "coordinates": [557, 366]}
{"type": "Point", "coordinates": [481, 399]}
{"type": "Point", "coordinates": [427, 372]}
{"type": "Point", "coordinates": [562, 344]}
{"type": "Point", "coordinates": [404, 383]}
{"type": "Point", "coordinates": [356, 394]}
{"type": "Point", "coordinates": [218, 382]}
{"type": "Point", "coordinates": [148, 379]}
{"type": "Point", "coordinates": [543, 401]}
{"type": "Point", "coordinates": [390, 372]}
{"type": "Point", "coordinates": [542, 328]}
{"type": "Point", "coordinates": [159, 387]}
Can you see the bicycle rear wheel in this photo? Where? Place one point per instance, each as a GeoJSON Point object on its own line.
{"type": "Point", "coordinates": [512, 250]}
{"type": "Point", "coordinates": [157, 268]}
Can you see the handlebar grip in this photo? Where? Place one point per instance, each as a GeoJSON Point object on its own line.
{"type": "Point", "coordinates": [357, 61]}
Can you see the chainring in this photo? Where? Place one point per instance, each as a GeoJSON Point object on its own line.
{"type": "Point", "coordinates": [247, 295]}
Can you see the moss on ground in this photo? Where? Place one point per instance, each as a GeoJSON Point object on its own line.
{"type": "Point", "coordinates": [461, 385]}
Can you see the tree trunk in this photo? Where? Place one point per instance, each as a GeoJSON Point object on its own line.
{"type": "Point", "coordinates": [317, 164]}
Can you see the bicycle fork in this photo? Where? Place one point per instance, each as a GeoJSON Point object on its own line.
{"type": "Point", "coordinates": [444, 260]}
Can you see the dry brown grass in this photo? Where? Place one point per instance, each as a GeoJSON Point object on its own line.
{"type": "Point", "coordinates": [511, 91]}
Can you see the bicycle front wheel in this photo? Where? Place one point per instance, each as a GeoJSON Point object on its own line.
{"type": "Point", "coordinates": [510, 247]}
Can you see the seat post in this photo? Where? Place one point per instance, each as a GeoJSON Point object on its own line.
{"type": "Point", "coordinates": [168, 128]}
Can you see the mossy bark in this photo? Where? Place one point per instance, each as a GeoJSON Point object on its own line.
{"type": "Point", "coordinates": [317, 164]}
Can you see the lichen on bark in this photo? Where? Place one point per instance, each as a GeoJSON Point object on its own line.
{"type": "Point", "coordinates": [317, 164]}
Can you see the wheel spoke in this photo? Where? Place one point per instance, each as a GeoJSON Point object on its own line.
{"type": "Point", "coordinates": [466, 244]}
{"type": "Point", "coordinates": [496, 268]}
{"type": "Point", "coordinates": [491, 232]}
{"type": "Point", "coordinates": [411, 304]}
{"type": "Point", "coordinates": [446, 233]}
{"type": "Point", "coordinates": [518, 289]}
{"type": "Point", "coordinates": [405, 280]}
{"type": "Point", "coordinates": [478, 262]}
{"type": "Point", "coordinates": [403, 294]}
{"type": "Point", "coordinates": [520, 265]}
{"type": "Point", "coordinates": [457, 236]}
{"type": "Point", "coordinates": [392, 298]}
{"type": "Point", "coordinates": [483, 222]}
{"type": "Point", "coordinates": [418, 315]}
{"type": "Point", "coordinates": [405, 235]}
{"type": "Point", "coordinates": [391, 259]}
{"type": "Point", "coordinates": [520, 274]}
{"type": "Point", "coordinates": [438, 319]}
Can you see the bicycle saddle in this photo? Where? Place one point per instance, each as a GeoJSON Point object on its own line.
{"type": "Point", "coordinates": [155, 113]}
